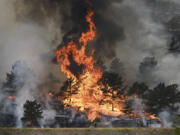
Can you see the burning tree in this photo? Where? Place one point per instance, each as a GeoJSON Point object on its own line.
{"type": "Point", "coordinates": [69, 88]}
{"type": "Point", "coordinates": [88, 89]}
{"type": "Point", "coordinates": [137, 90]}
{"type": "Point", "coordinates": [155, 100]}
{"type": "Point", "coordinates": [32, 113]}
{"type": "Point", "coordinates": [112, 87]}
{"type": "Point", "coordinates": [89, 93]}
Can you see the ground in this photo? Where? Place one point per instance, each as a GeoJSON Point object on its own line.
{"type": "Point", "coordinates": [87, 131]}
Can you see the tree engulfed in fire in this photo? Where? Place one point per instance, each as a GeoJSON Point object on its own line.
{"type": "Point", "coordinates": [88, 95]}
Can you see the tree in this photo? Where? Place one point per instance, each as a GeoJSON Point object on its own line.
{"type": "Point", "coordinates": [113, 87]}
{"type": "Point", "coordinates": [139, 89]}
{"type": "Point", "coordinates": [32, 113]}
{"type": "Point", "coordinates": [128, 106]}
{"type": "Point", "coordinates": [163, 97]}
{"type": "Point", "coordinates": [18, 77]}
{"type": "Point", "coordinates": [10, 77]}
{"type": "Point", "coordinates": [68, 88]}
{"type": "Point", "coordinates": [95, 122]}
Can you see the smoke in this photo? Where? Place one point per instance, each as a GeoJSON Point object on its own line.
{"type": "Point", "coordinates": [166, 118]}
{"type": "Point", "coordinates": [144, 36]}
{"type": "Point", "coordinates": [147, 68]}
{"type": "Point", "coordinates": [48, 117]}
{"type": "Point", "coordinates": [28, 46]}
{"type": "Point", "coordinates": [126, 29]}
{"type": "Point", "coordinates": [25, 84]}
{"type": "Point", "coordinates": [30, 31]}
{"type": "Point", "coordinates": [173, 1]}
{"type": "Point", "coordinates": [138, 107]}
{"type": "Point", "coordinates": [145, 52]}
{"type": "Point", "coordinates": [72, 21]}
{"type": "Point", "coordinates": [21, 40]}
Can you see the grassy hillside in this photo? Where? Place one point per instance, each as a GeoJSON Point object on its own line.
{"type": "Point", "coordinates": [88, 131]}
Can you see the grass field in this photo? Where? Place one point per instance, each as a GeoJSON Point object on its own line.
{"type": "Point", "coordinates": [87, 131]}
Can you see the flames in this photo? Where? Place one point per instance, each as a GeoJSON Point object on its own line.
{"type": "Point", "coordinates": [88, 94]}
{"type": "Point", "coordinates": [85, 92]}
{"type": "Point", "coordinates": [50, 94]}
{"type": "Point", "coordinates": [29, 123]}
{"type": "Point", "coordinates": [11, 97]}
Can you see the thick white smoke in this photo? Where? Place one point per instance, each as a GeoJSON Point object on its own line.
{"type": "Point", "coordinates": [29, 42]}
{"type": "Point", "coordinates": [166, 117]}
{"type": "Point", "coordinates": [139, 108]}
{"type": "Point", "coordinates": [144, 36]}
{"type": "Point", "coordinates": [26, 86]}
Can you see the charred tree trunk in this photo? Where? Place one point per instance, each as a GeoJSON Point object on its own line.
{"type": "Point", "coordinates": [112, 107]}
{"type": "Point", "coordinates": [112, 101]}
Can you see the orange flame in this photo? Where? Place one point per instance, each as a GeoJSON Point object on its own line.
{"type": "Point", "coordinates": [29, 123]}
{"type": "Point", "coordinates": [88, 96]}
{"type": "Point", "coordinates": [12, 97]}
{"type": "Point", "coordinates": [151, 116]}
{"type": "Point", "coordinates": [50, 94]}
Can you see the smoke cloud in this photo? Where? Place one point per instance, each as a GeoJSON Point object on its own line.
{"type": "Point", "coordinates": [26, 45]}
{"type": "Point", "coordinates": [166, 117]}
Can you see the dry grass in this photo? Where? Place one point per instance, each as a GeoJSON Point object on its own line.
{"type": "Point", "coordinates": [87, 131]}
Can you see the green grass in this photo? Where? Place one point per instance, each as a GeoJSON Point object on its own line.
{"type": "Point", "coordinates": [87, 131]}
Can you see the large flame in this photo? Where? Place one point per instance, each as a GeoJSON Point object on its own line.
{"type": "Point", "coordinates": [88, 95]}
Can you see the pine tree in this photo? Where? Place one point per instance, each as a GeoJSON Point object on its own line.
{"type": "Point", "coordinates": [10, 77]}
{"type": "Point", "coordinates": [32, 113]}
{"type": "Point", "coordinates": [113, 87]}
{"type": "Point", "coordinates": [128, 107]}
{"type": "Point", "coordinates": [69, 88]}
{"type": "Point", "coordinates": [163, 97]}
{"type": "Point", "coordinates": [139, 89]}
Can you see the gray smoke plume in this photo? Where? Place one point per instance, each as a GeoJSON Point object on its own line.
{"type": "Point", "coordinates": [26, 85]}
{"type": "Point", "coordinates": [138, 107]}
{"type": "Point", "coordinates": [126, 29]}
{"type": "Point", "coordinates": [24, 40]}
{"type": "Point", "coordinates": [144, 37]}
{"type": "Point", "coordinates": [69, 18]}
{"type": "Point", "coordinates": [166, 118]}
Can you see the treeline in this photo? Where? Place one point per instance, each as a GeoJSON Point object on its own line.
{"type": "Point", "coordinates": [153, 100]}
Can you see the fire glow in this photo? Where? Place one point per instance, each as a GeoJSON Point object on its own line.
{"type": "Point", "coordinates": [11, 97]}
{"type": "Point", "coordinates": [88, 95]}
{"type": "Point", "coordinates": [88, 92]}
